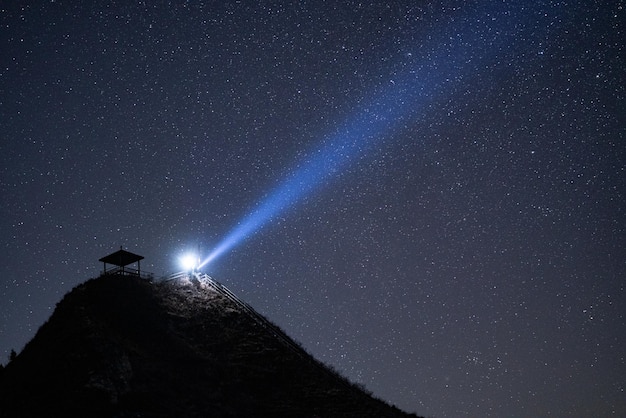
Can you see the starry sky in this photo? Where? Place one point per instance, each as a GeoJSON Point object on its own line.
{"type": "Point", "coordinates": [452, 235]}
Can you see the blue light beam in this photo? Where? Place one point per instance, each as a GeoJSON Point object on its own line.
{"type": "Point", "coordinates": [369, 125]}
{"type": "Point", "coordinates": [470, 44]}
{"type": "Point", "coordinates": [343, 147]}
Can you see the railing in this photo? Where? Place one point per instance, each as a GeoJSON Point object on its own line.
{"type": "Point", "coordinates": [247, 309]}
{"type": "Point", "coordinates": [261, 320]}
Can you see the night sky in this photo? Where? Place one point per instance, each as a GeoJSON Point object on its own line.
{"type": "Point", "coordinates": [434, 191]}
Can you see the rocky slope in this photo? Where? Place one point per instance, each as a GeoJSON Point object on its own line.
{"type": "Point", "coordinates": [120, 346]}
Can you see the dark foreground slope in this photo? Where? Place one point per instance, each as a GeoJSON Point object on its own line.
{"type": "Point", "coordinates": [126, 347]}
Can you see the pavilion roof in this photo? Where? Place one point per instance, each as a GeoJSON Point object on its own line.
{"type": "Point", "coordinates": [121, 258]}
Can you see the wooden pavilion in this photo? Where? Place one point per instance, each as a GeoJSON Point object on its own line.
{"type": "Point", "coordinates": [120, 260]}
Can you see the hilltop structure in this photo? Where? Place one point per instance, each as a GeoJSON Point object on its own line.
{"type": "Point", "coordinates": [120, 260]}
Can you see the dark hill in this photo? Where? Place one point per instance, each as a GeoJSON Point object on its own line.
{"type": "Point", "coordinates": [120, 346]}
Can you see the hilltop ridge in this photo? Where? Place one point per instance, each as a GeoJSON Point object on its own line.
{"type": "Point", "coordinates": [120, 346]}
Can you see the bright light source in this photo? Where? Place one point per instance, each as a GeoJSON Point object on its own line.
{"type": "Point", "coordinates": [189, 262]}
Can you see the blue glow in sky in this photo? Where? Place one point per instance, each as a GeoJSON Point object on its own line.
{"type": "Point", "coordinates": [404, 97]}
{"type": "Point", "coordinates": [370, 125]}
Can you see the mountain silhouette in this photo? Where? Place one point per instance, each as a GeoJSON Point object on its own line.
{"type": "Point", "coordinates": [124, 346]}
